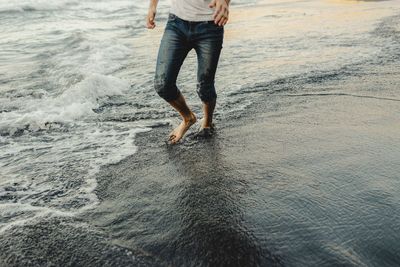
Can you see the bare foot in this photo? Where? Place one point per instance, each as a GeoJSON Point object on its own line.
{"type": "Point", "coordinates": [206, 130]}
{"type": "Point", "coordinates": [206, 124]}
{"type": "Point", "coordinates": [180, 131]}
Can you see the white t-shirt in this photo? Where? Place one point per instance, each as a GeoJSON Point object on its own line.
{"type": "Point", "coordinates": [192, 10]}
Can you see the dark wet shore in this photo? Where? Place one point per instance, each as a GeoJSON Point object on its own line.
{"type": "Point", "coordinates": [304, 173]}
{"type": "Point", "coordinates": [307, 176]}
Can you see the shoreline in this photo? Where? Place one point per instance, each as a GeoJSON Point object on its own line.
{"type": "Point", "coordinates": [300, 153]}
{"type": "Point", "coordinates": [304, 175]}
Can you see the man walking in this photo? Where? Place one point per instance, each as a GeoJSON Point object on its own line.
{"type": "Point", "coordinates": [197, 24]}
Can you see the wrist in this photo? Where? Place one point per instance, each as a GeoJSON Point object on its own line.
{"type": "Point", "coordinates": [153, 5]}
{"type": "Point", "coordinates": [224, 1]}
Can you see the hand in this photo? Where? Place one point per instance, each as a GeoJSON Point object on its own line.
{"type": "Point", "coordinates": [150, 18]}
{"type": "Point", "coordinates": [221, 13]}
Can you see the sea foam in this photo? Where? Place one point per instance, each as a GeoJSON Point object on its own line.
{"type": "Point", "coordinates": [34, 5]}
{"type": "Point", "coordinates": [74, 104]}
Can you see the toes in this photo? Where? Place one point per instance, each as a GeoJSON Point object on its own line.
{"type": "Point", "coordinates": [177, 138]}
{"type": "Point", "coordinates": [173, 141]}
{"type": "Point", "coordinates": [176, 135]}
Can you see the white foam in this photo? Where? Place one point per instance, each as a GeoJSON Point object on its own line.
{"type": "Point", "coordinates": [74, 104]}
{"type": "Point", "coordinates": [33, 182]}
{"type": "Point", "coordinates": [105, 58]}
{"type": "Point", "coordinates": [24, 5]}
{"type": "Point", "coordinates": [50, 170]}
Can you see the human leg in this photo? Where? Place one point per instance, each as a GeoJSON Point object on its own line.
{"type": "Point", "coordinates": [172, 52]}
{"type": "Point", "coordinates": [188, 119]}
{"type": "Point", "coordinates": [208, 48]}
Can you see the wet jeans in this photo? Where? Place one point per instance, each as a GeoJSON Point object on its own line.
{"type": "Point", "coordinates": [180, 36]}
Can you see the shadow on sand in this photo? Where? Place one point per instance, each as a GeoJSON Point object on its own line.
{"type": "Point", "coordinates": [213, 232]}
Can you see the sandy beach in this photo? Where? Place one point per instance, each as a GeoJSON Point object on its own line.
{"type": "Point", "coordinates": [302, 178]}
{"type": "Point", "coordinates": [302, 171]}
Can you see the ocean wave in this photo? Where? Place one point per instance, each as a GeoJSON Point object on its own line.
{"type": "Point", "coordinates": [74, 104]}
{"type": "Point", "coordinates": [291, 83]}
{"type": "Point", "coordinates": [34, 5]}
{"type": "Point", "coordinates": [42, 186]}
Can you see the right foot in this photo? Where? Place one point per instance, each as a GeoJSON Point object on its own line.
{"type": "Point", "coordinates": [180, 131]}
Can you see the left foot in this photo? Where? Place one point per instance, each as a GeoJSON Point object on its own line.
{"type": "Point", "coordinates": [204, 133]}
{"type": "Point", "coordinates": [207, 125]}
{"type": "Point", "coordinates": [206, 130]}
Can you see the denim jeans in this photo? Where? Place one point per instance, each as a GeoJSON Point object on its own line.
{"type": "Point", "coordinates": [179, 37]}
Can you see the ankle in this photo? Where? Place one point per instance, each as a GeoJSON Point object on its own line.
{"type": "Point", "coordinates": [206, 123]}
{"type": "Point", "coordinates": [189, 118]}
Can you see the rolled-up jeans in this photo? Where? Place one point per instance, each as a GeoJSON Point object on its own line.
{"type": "Point", "coordinates": [179, 37]}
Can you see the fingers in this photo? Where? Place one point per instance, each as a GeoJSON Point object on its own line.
{"type": "Point", "coordinates": [150, 24]}
{"type": "Point", "coordinates": [221, 13]}
{"type": "Point", "coordinates": [212, 4]}
{"type": "Point", "coordinates": [150, 20]}
{"type": "Point", "coordinates": [221, 18]}
{"type": "Point", "coordinates": [223, 22]}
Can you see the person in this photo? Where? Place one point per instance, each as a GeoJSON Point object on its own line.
{"type": "Point", "coordinates": [192, 24]}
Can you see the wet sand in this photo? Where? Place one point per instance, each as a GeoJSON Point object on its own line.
{"type": "Point", "coordinates": [307, 175]}
{"type": "Point", "coordinates": [303, 177]}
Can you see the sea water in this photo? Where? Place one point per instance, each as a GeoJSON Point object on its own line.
{"type": "Point", "coordinates": [76, 82]}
